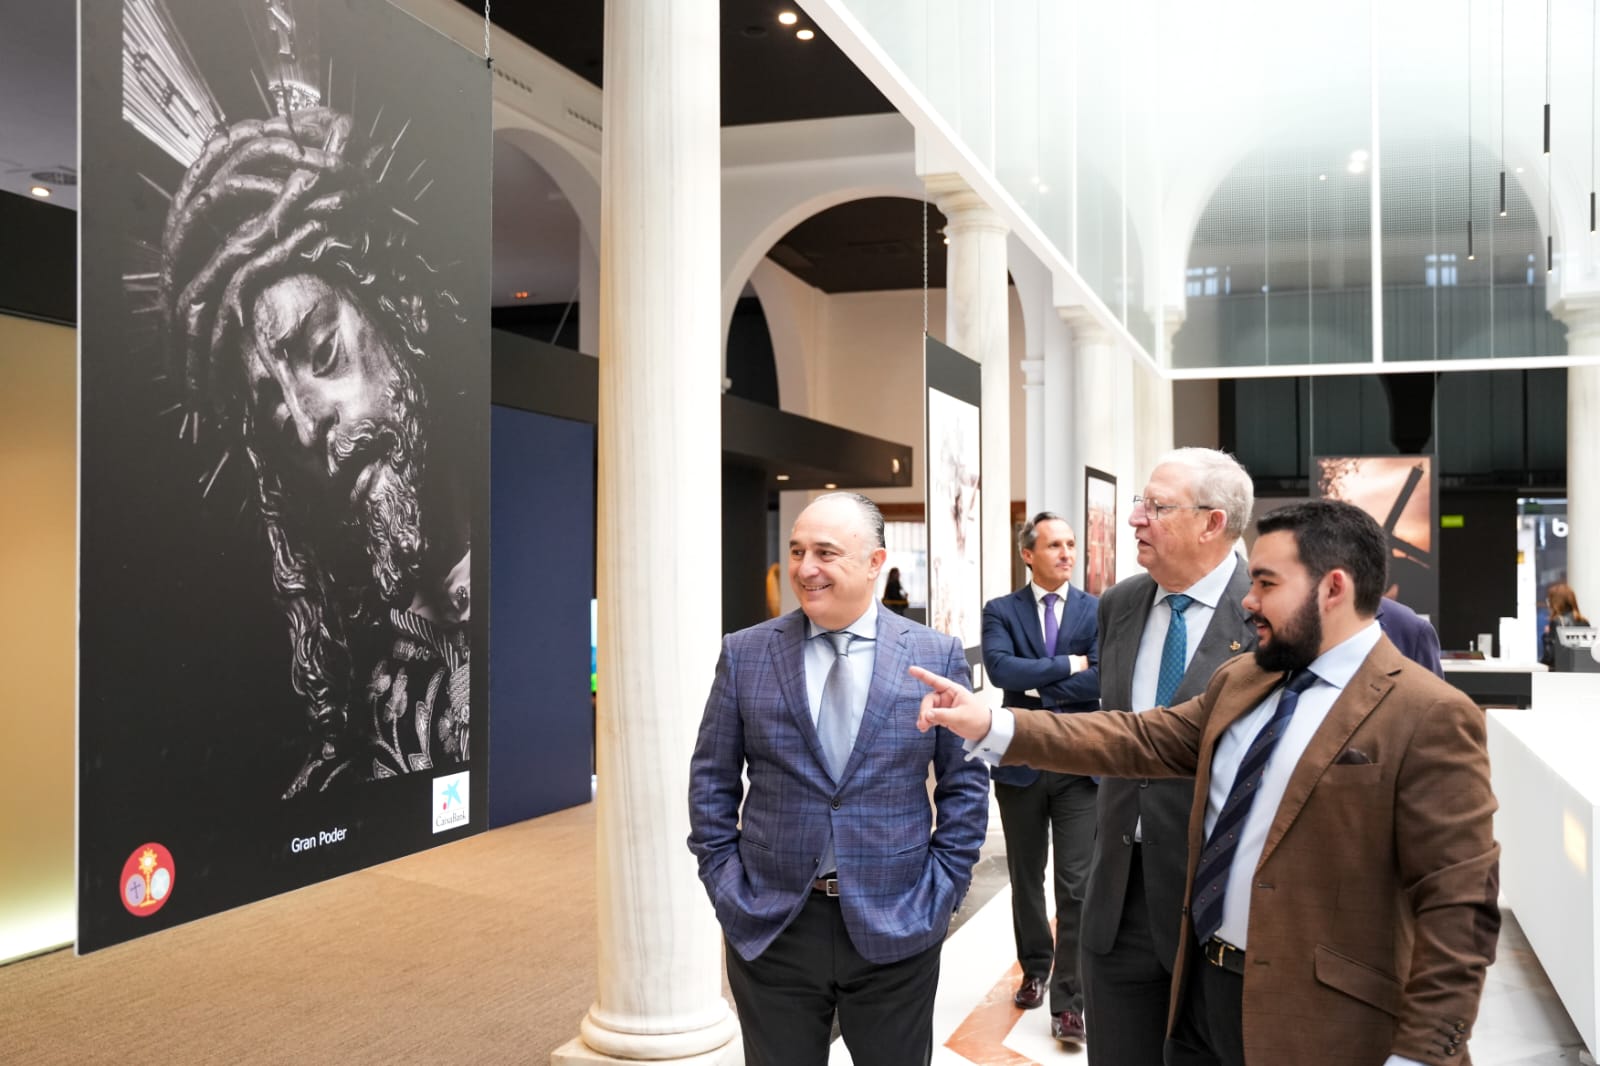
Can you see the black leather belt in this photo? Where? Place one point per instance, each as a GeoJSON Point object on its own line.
{"type": "Point", "coordinates": [828, 886]}
{"type": "Point", "coordinates": [1223, 954]}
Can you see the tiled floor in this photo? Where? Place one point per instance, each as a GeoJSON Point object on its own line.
{"type": "Point", "coordinates": [1520, 1022]}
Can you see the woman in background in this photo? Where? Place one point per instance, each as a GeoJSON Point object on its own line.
{"type": "Point", "coordinates": [1563, 604]}
{"type": "Point", "coordinates": [894, 595]}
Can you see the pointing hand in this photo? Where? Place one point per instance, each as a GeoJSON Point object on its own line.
{"type": "Point", "coordinates": [951, 705]}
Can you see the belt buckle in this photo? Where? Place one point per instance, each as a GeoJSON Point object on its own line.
{"type": "Point", "coordinates": [830, 886]}
{"type": "Point", "coordinates": [1215, 949]}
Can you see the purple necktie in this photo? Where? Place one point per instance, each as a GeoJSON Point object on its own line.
{"type": "Point", "coordinates": [1051, 626]}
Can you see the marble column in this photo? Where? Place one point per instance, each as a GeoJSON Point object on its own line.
{"type": "Point", "coordinates": [1062, 467]}
{"type": "Point", "coordinates": [977, 320]}
{"type": "Point", "coordinates": [1036, 459]}
{"type": "Point", "coordinates": [1582, 319]}
{"type": "Point", "coordinates": [588, 297]}
{"type": "Point", "coordinates": [1094, 402]}
{"type": "Point", "coordinates": [659, 468]}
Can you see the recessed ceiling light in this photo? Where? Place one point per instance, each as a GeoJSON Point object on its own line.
{"type": "Point", "coordinates": [1322, 177]}
{"type": "Point", "coordinates": [1357, 167]}
{"type": "Point", "coordinates": [1519, 170]}
{"type": "Point", "coordinates": [1359, 156]}
{"type": "Point", "coordinates": [1043, 187]}
{"type": "Point", "coordinates": [788, 18]}
{"type": "Point", "coordinates": [40, 191]}
{"type": "Point", "coordinates": [830, 485]}
{"type": "Point", "coordinates": [804, 35]}
{"type": "Point", "coordinates": [521, 294]}
{"type": "Point", "coordinates": [783, 477]}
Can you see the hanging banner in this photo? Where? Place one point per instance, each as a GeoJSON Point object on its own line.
{"type": "Point", "coordinates": [284, 358]}
{"type": "Point", "coordinates": [955, 535]}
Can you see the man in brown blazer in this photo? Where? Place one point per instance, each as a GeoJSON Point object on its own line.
{"type": "Point", "coordinates": [1343, 875]}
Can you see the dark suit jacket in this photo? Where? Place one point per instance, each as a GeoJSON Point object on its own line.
{"type": "Point", "coordinates": [1373, 914]}
{"type": "Point", "coordinates": [1413, 634]}
{"type": "Point", "coordinates": [1163, 805]}
{"type": "Point", "coordinates": [901, 873]}
{"type": "Point", "coordinates": [1016, 659]}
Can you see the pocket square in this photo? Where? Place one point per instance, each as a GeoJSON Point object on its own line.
{"type": "Point", "coordinates": [1352, 757]}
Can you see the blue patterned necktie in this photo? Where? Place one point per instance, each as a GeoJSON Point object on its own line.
{"type": "Point", "coordinates": [1052, 628]}
{"type": "Point", "coordinates": [1211, 876]}
{"type": "Point", "coordinates": [1174, 651]}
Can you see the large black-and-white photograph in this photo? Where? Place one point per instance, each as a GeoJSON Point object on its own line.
{"type": "Point", "coordinates": [284, 352]}
{"type": "Point", "coordinates": [955, 493]}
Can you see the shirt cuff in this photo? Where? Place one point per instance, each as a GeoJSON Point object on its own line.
{"type": "Point", "coordinates": [990, 750]}
{"type": "Point", "coordinates": [1401, 1060]}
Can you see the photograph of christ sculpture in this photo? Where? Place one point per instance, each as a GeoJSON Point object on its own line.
{"type": "Point", "coordinates": [284, 435]}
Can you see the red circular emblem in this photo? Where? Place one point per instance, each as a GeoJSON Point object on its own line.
{"type": "Point", "coordinates": [147, 879]}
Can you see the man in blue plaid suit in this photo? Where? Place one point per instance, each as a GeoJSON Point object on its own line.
{"type": "Point", "coordinates": [836, 888]}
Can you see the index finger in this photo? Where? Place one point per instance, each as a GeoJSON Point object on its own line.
{"type": "Point", "coordinates": [934, 681]}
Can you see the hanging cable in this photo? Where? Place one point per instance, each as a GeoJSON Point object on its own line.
{"type": "Point", "coordinates": [1470, 256]}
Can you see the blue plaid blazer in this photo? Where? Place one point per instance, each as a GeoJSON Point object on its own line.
{"type": "Point", "coordinates": [902, 871]}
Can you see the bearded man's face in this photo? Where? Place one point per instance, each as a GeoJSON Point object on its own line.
{"type": "Point", "coordinates": [334, 411]}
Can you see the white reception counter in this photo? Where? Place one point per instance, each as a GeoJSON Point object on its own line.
{"type": "Point", "coordinates": [1545, 765]}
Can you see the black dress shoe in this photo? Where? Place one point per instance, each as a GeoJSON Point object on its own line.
{"type": "Point", "coordinates": [1067, 1027]}
{"type": "Point", "coordinates": [1030, 993]}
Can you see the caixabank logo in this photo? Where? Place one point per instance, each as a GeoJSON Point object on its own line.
{"type": "Point", "coordinates": [452, 798]}
{"type": "Point", "coordinates": [147, 879]}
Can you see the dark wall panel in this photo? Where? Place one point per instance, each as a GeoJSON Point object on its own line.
{"type": "Point", "coordinates": [541, 582]}
{"type": "Point", "coordinates": [1477, 565]}
{"type": "Point", "coordinates": [39, 267]}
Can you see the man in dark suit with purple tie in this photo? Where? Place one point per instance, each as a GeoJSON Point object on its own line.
{"type": "Point", "coordinates": [1040, 645]}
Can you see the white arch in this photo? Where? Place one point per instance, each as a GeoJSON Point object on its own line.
{"type": "Point", "coordinates": [574, 169]}
{"type": "Point", "coordinates": [775, 177]}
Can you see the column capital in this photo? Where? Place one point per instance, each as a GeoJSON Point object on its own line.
{"type": "Point", "coordinates": [1580, 313]}
{"type": "Point", "coordinates": [1033, 373]}
{"type": "Point", "coordinates": [963, 208]}
{"type": "Point", "coordinates": [1085, 325]}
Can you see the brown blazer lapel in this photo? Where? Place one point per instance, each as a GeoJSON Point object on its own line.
{"type": "Point", "coordinates": [1372, 681]}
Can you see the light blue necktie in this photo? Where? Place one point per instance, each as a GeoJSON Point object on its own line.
{"type": "Point", "coordinates": [833, 715]}
{"type": "Point", "coordinates": [833, 724]}
{"type": "Point", "coordinates": [1174, 651]}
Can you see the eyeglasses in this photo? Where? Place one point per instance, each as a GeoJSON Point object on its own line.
{"type": "Point", "coordinates": [1155, 510]}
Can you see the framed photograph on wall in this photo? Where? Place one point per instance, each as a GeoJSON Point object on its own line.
{"type": "Point", "coordinates": [1099, 530]}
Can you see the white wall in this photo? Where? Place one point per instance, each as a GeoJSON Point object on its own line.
{"type": "Point", "coordinates": [865, 361]}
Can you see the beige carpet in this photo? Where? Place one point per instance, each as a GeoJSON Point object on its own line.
{"type": "Point", "coordinates": [481, 951]}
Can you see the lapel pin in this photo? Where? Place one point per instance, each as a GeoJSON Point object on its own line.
{"type": "Point", "coordinates": [1234, 646]}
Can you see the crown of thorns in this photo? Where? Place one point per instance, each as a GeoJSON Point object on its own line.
{"type": "Point", "coordinates": [267, 198]}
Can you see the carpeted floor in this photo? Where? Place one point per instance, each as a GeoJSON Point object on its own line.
{"type": "Point", "coordinates": [481, 951]}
